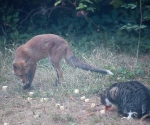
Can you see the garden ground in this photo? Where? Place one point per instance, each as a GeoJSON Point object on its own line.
{"type": "Point", "coordinates": [19, 107]}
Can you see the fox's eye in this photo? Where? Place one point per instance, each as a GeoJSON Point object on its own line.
{"type": "Point", "coordinates": [20, 75]}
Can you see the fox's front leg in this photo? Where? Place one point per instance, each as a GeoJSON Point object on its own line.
{"type": "Point", "coordinates": [30, 76]}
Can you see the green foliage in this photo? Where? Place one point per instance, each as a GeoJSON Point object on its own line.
{"type": "Point", "coordinates": [146, 14]}
{"type": "Point", "coordinates": [84, 44]}
{"type": "Point", "coordinates": [18, 25]}
{"type": "Point", "coordinates": [71, 123]}
{"type": "Point", "coordinates": [10, 20]}
{"type": "Point", "coordinates": [124, 73]}
{"type": "Point", "coordinates": [57, 2]}
{"type": "Point", "coordinates": [117, 3]}
{"type": "Point", "coordinates": [130, 27]}
{"type": "Point", "coordinates": [80, 5]}
{"type": "Point", "coordinates": [131, 6]}
{"type": "Point", "coordinates": [84, 5]}
{"type": "Point", "coordinates": [17, 37]}
{"type": "Point", "coordinates": [138, 70]}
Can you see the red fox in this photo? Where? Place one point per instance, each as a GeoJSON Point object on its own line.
{"type": "Point", "coordinates": [46, 45]}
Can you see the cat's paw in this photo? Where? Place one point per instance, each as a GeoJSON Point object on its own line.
{"type": "Point", "coordinates": [128, 118]}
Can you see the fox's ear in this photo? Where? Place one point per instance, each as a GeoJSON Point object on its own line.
{"type": "Point", "coordinates": [27, 62]}
{"type": "Point", "coordinates": [15, 66]}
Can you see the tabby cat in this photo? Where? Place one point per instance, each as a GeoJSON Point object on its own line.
{"type": "Point", "coordinates": [131, 98]}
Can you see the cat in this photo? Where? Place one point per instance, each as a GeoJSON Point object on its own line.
{"type": "Point", "coordinates": [131, 98]}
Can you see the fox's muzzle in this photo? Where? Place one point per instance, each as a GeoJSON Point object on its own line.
{"type": "Point", "coordinates": [26, 81]}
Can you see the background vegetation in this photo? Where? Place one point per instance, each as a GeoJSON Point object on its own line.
{"type": "Point", "coordinates": [89, 23]}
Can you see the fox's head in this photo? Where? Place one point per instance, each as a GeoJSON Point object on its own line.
{"type": "Point", "coordinates": [21, 69]}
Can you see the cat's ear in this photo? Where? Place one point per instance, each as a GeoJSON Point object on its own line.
{"type": "Point", "coordinates": [113, 92]}
{"type": "Point", "coordinates": [103, 94]}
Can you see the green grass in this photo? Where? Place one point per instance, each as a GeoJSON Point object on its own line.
{"type": "Point", "coordinates": [16, 109]}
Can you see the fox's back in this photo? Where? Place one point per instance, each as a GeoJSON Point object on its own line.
{"type": "Point", "coordinates": [46, 41]}
{"type": "Point", "coordinates": [41, 46]}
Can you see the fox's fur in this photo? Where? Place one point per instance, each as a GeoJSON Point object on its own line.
{"type": "Point", "coordinates": [131, 98]}
{"type": "Point", "coordinates": [46, 45]}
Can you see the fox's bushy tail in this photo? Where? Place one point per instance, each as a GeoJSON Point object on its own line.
{"type": "Point", "coordinates": [75, 62]}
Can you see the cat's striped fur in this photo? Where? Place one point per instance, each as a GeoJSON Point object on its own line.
{"type": "Point", "coordinates": [131, 98]}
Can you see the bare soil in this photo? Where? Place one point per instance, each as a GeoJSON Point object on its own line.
{"type": "Point", "coordinates": [17, 107]}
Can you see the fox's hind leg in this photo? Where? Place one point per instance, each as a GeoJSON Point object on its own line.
{"type": "Point", "coordinates": [55, 58]}
{"type": "Point", "coordinates": [58, 73]}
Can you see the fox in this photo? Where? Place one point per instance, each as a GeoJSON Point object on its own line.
{"type": "Point", "coordinates": [47, 45]}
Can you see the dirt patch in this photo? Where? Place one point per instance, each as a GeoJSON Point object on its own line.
{"type": "Point", "coordinates": [18, 107]}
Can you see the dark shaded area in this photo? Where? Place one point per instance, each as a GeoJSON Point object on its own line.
{"type": "Point", "coordinates": [22, 19]}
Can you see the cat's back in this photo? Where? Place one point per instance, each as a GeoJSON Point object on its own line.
{"type": "Point", "coordinates": [130, 85]}
{"type": "Point", "coordinates": [130, 91]}
{"type": "Point", "coordinates": [131, 96]}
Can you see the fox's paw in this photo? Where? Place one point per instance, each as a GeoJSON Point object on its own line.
{"type": "Point", "coordinates": [26, 86]}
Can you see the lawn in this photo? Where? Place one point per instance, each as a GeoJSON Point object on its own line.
{"type": "Point", "coordinates": [64, 105]}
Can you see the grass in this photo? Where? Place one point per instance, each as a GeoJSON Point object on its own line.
{"type": "Point", "coordinates": [15, 108]}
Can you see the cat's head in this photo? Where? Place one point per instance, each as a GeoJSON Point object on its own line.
{"type": "Point", "coordinates": [104, 99]}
